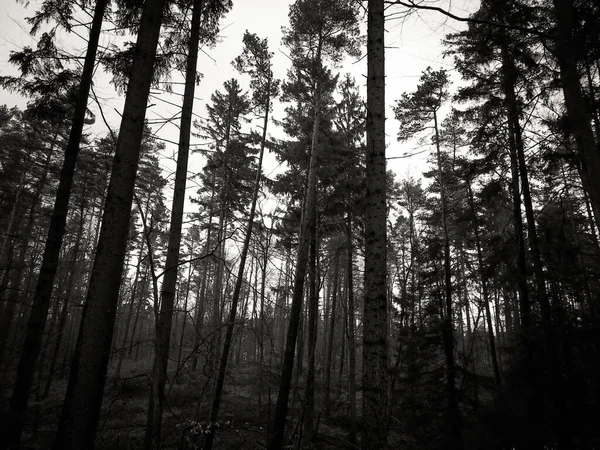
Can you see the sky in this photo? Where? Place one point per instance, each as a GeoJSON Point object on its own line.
{"type": "Point", "coordinates": [412, 44]}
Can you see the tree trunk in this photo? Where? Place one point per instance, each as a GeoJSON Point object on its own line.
{"type": "Point", "coordinates": [375, 345]}
{"type": "Point", "coordinates": [214, 412]}
{"type": "Point", "coordinates": [331, 333]}
{"type": "Point", "coordinates": [454, 439]}
{"type": "Point", "coordinates": [165, 318]}
{"type": "Point", "coordinates": [308, 217]}
{"type": "Point", "coordinates": [134, 290]}
{"type": "Point", "coordinates": [12, 298]}
{"type": "Point", "coordinates": [484, 287]}
{"type": "Point", "coordinates": [201, 297]}
{"type": "Point", "coordinates": [575, 103]}
{"type": "Point", "coordinates": [313, 306]}
{"type": "Point", "coordinates": [565, 439]}
{"type": "Point", "coordinates": [45, 284]}
{"type": "Point", "coordinates": [65, 307]}
{"type": "Point", "coordinates": [185, 314]}
{"type": "Point", "coordinates": [81, 411]}
{"type": "Point", "coordinates": [351, 333]}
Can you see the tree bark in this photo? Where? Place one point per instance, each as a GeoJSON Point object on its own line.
{"type": "Point", "coordinates": [12, 298]}
{"type": "Point", "coordinates": [64, 313]}
{"type": "Point", "coordinates": [565, 439]}
{"type": "Point", "coordinates": [484, 287]}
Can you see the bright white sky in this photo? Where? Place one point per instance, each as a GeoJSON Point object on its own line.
{"type": "Point", "coordinates": [413, 44]}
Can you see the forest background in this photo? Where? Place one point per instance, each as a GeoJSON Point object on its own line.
{"type": "Point", "coordinates": [201, 246]}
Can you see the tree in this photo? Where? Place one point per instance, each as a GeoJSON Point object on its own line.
{"type": "Point", "coordinates": [318, 30]}
{"type": "Point", "coordinates": [256, 61]}
{"type": "Point", "coordinates": [79, 419]}
{"type": "Point", "coordinates": [227, 173]}
{"type": "Point", "coordinates": [416, 111]}
{"type": "Point", "coordinates": [578, 116]}
{"type": "Point", "coordinates": [43, 290]}
{"type": "Point", "coordinates": [165, 318]}
{"type": "Point", "coordinates": [375, 318]}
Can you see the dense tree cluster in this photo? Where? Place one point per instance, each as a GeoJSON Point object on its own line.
{"type": "Point", "coordinates": [333, 305]}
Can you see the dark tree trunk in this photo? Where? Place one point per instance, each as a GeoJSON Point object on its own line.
{"type": "Point", "coordinates": [134, 291]}
{"type": "Point", "coordinates": [331, 333]}
{"type": "Point", "coordinates": [575, 103]}
{"type": "Point", "coordinates": [201, 297]}
{"type": "Point", "coordinates": [565, 439]}
{"type": "Point", "coordinates": [313, 306]}
{"type": "Point", "coordinates": [13, 296]}
{"type": "Point", "coordinates": [81, 411]}
{"type": "Point", "coordinates": [64, 313]}
{"type": "Point", "coordinates": [43, 289]}
{"type": "Point", "coordinates": [351, 334]}
{"type": "Point", "coordinates": [454, 438]}
{"type": "Point", "coordinates": [165, 318]}
{"type": "Point", "coordinates": [308, 217]}
{"type": "Point", "coordinates": [216, 403]}
{"type": "Point", "coordinates": [484, 287]}
{"type": "Point", "coordinates": [375, 345]}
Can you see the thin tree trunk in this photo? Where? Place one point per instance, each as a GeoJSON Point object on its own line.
{"type": "Point", "coordinates": [83, 400]}
{"type": "Point", "coordinates": [454, 438]}
{"type": "Point", "coordinates": [261, 325]}
{"type": "Point", "coordinates": [331, 333]}
{"type": "Point", "coordinates": [15, 282]}
{"type": "Point", "coordinates": [214, 412]}
{"type": "Point", "coordinates": [165, 318]}
{"type": "Point", "coordinates": [565, 435]}
{"type": "Point", "coordinates": [185, 314]}
{"type": "Point", "coordinates": [313, 306]}
{"type": "Point", "coordinates": [134, 291]}
{"type": "Point", "coordinates": [308, 218]}
{"type": "Point", "coordinates": [65, 307]}
{"type": "Point", "coordinates": [484, 287]}
{"type": "Point", "coordinates": [201, 298]}
{"type": "Point", "coordinates": [351, 334]}
{"type": "Point", "coordinates": [8, 241]}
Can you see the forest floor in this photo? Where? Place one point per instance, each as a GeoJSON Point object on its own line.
{"type": "Point", "coordinates": [242, 424]}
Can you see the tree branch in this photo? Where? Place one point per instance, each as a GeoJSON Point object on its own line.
{"type": "Point", "coordinates": [412, 4]}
